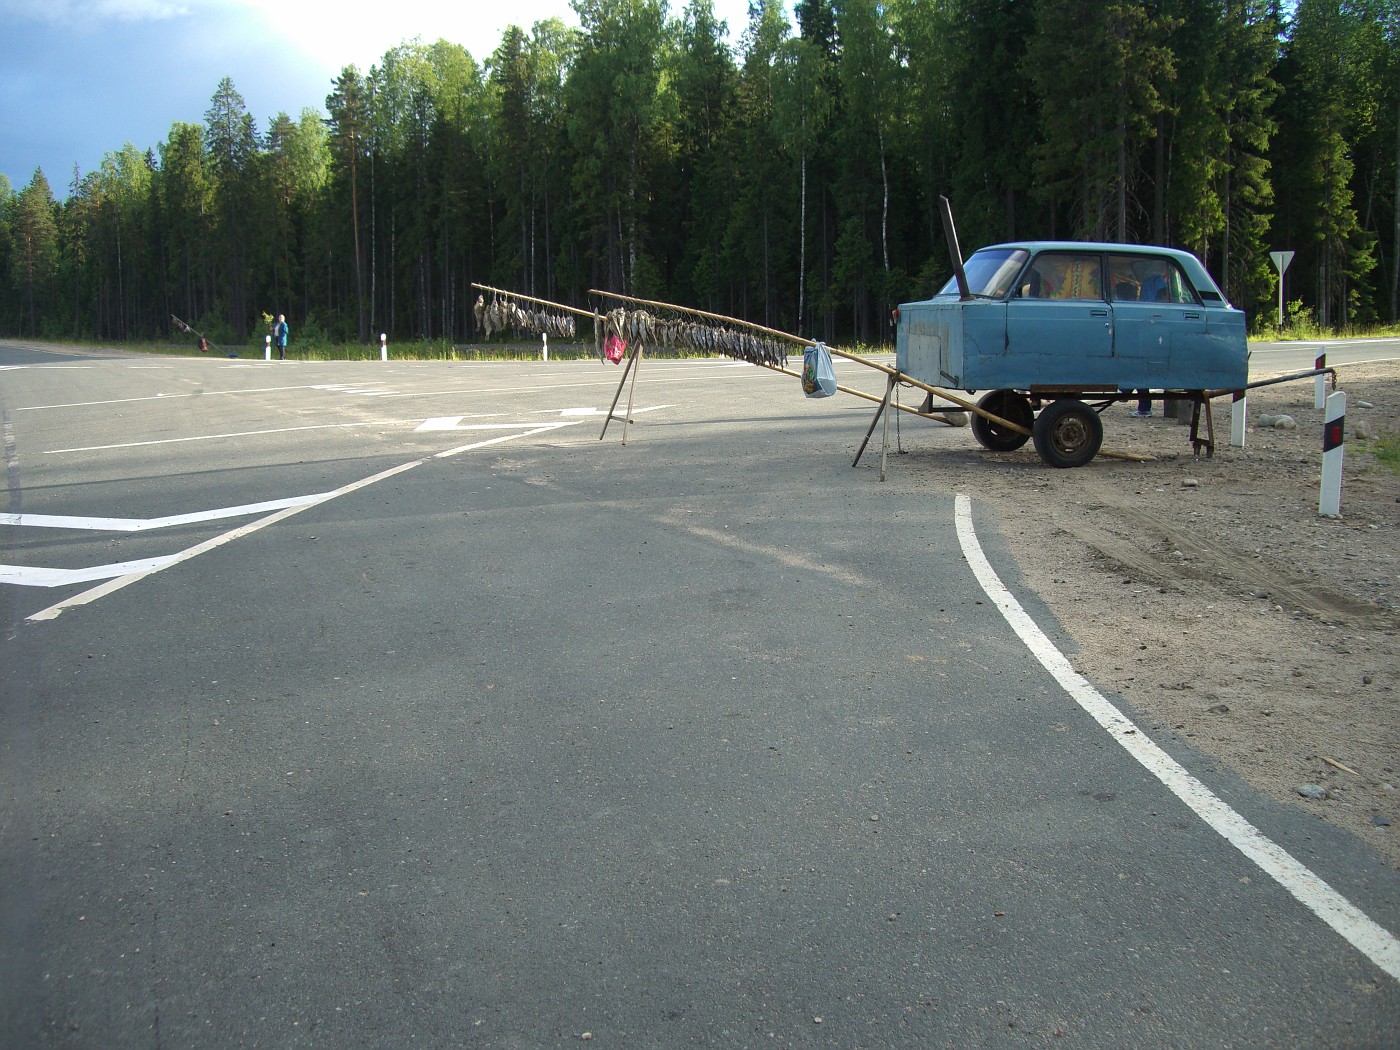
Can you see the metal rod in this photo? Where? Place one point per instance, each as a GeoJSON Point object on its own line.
{"type": "Point", "coordinates": [1276, 379]}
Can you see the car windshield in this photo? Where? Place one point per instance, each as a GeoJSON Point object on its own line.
{"type": "Point", "coordinates": [990, 272]}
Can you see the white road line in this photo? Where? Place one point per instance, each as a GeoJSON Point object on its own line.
{"type": "Point", "coordinates": [68, 521]}
{"type": "Point", "coordinates": [608, 382]}
{"type": "Point", "coordinates": [39, 576]}
{"type": "Point", "coordinates": [167, 397]}
{"type": "Point", "coordinates": [594, 411]}
{"type": "Point", "coordinates": [342, 388]}
{"type": "Point", "coordinates": [455, 423]}
{"type": "Point", "coordinates": [145, 570]}
{"type": "Point", "coordinates": [238, 434]}
{"type": "Point", "coordinates": [1370, 938]}
{"type": "Point", "coordinates": [543, 428]}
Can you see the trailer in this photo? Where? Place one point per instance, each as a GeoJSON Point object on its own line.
{"type": "Point", "coordinates": [1050, 333]}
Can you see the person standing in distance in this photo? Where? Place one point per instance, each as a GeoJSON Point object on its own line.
{"type": "Point", "coordinates": [279, 336]}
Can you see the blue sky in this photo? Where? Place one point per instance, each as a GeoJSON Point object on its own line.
{"type": "Point", "coordinates": [81, 78]}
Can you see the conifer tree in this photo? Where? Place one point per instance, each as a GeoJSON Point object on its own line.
{"type": "Point", "coordinates": [35, 244]}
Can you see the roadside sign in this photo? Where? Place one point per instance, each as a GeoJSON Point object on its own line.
{"type": "Point", "coordinates": [1281, 261]}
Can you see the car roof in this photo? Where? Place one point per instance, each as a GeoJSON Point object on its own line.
{"type": "Point", "coordinates": [1091, 246]}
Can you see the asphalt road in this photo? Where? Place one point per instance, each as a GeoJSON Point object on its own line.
{"type": "Point", "coordinates": [1267, 359]}
{"type": "Point", "coordinates": [329, 720]}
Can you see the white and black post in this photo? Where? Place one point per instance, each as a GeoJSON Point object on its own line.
{"type": "Point", "coordinates": [1239, 412]}
{"type": "Point", "coordinates": [383, 346]}
{"type": "Point", "coordinates": [1334, 425]}
{"type": "Point", "coordinates": [267, 348]}
{"type": "Point", "coordinates": [1320, 383]}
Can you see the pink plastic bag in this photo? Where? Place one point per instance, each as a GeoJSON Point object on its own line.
{"type": "Point", "coordinates": [614, 348]}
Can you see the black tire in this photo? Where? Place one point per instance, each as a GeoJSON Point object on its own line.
{"type": "Point", "coordinates": [1067, 433]}
{"type": "Point", "coordinates": [1012, 407]}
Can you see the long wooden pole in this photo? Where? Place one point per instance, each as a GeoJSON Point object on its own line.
{"type": "Point", "coordinates": [532, 299]}
{"type": "Point", "coordinates": [899, 376]}
{"type": "Point", "coordinates": [896, 376]}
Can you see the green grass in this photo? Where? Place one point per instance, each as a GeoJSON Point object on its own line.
{"type": "Point", "coordinates": [1301, 325]}
{"type": "Point", "coordinates": [1387, 452]}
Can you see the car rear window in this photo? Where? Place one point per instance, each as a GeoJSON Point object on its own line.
{"type": "Point", "coordinates": [1148, 279]}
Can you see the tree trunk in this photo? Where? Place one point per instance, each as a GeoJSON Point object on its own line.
{"type": "Point", "coordinates": [359, 257]}
{"type": "Point", "coordinates": [1395, 243]}
{"type": "Point", "coordinates": [802, 249]}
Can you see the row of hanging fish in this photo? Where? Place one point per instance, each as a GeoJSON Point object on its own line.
{"type": "Point", "coordinates": [650, 330]}
{"type": "Point", "coordinates": [500, 314]}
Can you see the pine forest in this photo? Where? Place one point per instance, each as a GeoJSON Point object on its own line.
{"type": "Point", "coordinates": [791, 179]}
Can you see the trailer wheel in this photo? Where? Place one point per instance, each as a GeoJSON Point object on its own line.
{"type": "Point", "coordinates": [1011, 406]}
{"type": "Point", "coordinates": [1067, 433]}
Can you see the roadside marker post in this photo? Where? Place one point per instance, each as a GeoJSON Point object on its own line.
{"type": "Point", "coordinates": [1239, 411]}
{"type": "Point", "coordinates": [383, 346]}
{"type": "Point", "coordinates": [267, 348]}
{"type": "Point", "coordinates": [1281, 261]}
{"type": "Point", "coordinates": [1320, 384]}
{"type": "Point", "coordinates": [544, 346]}
{"type": "Point", "coordinates": [1329, 504]}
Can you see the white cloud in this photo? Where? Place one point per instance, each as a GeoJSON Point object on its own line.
{"type": "Point", "coordinates": [335, 34]}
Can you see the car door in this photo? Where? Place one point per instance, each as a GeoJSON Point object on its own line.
{"type": "Point", "coordinates": [1059, 326]}
{"type": "Point", "coordinates": [1157, 318]}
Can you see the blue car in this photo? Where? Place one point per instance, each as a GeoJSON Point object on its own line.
{"type": "Point", "coordinates": [1042, 325]}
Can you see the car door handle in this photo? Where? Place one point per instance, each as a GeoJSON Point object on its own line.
{"type": "Point", "coordinates": [1099, 313]}
{"type": "Point", "coordinates": [1193, 317]}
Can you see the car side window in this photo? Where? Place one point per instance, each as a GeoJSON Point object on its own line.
{"type": "Point", "coordinates": [1063, 275]}
{"type": "Point", "coordinates": [1136, 278]}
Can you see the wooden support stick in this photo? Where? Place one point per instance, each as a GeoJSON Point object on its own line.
{"type": "Point", "coordinates": [884, 403]}
{"type": "Point", "coordinates": [631, 390]}
{"type": "Point", "coordinates": [885, 435]}
{"type": "Point", "coordinates": [1334, 762]}
{"type": "Point", "coordinates": [616, 398]}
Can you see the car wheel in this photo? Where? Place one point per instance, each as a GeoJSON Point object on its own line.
{"type": "Point", "coordinates": [1067, 433]}
{"type": "Point", "coordinates": [1012, 407]}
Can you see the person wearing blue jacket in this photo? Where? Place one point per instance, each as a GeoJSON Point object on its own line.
{"type": "Point", "coordinates": [279, 336]}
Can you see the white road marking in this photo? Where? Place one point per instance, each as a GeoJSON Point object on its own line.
{"type": "Point", "coordinates": [543, 428]}
{"type": "Point", "coordinates": [39, 576]}
{"type": "Point", "coordinates": [237, 434]}
{"type": "Point", "coordinates": [67, 521]}
{"type": "Point", "coordinates": [455, 423]}
{"type": "Point", "coordinates": [1370, 938]}
{"type": "Point", "coordinates": [594, 411]}
{"type": "Point", "coordinates": [153, 565]}
{"type": "Point", "coordinates": [341, 388]}
{"type": "Point", "coordinates": [165, 397]}
{"type": "Point", "coordinates": [608, 382]}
